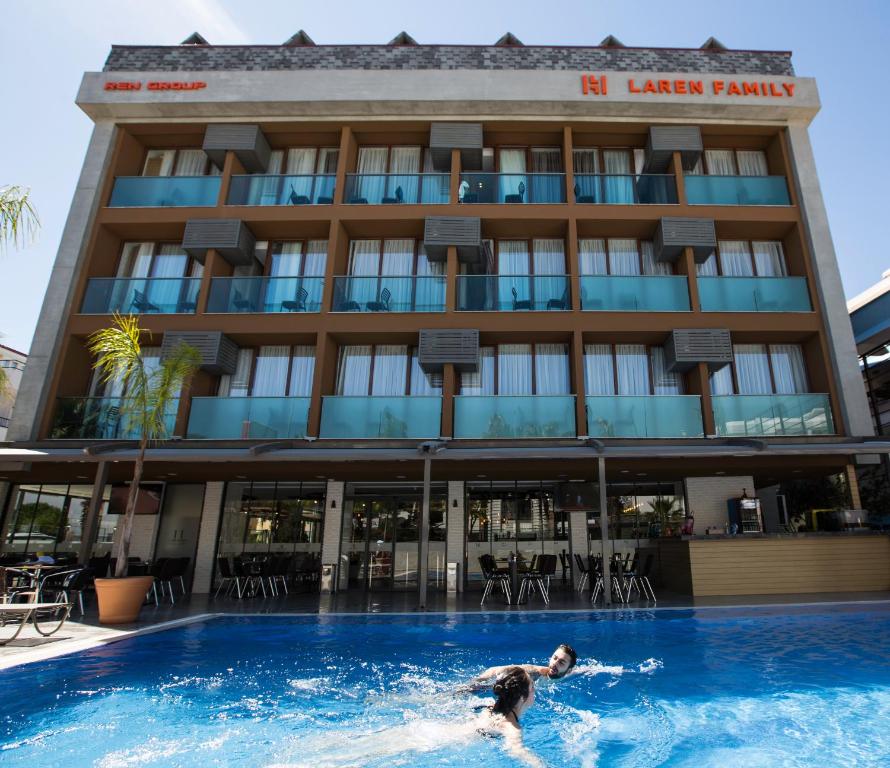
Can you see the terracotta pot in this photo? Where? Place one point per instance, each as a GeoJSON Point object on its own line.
{"type": "Point", "coordinates": [121, 599]}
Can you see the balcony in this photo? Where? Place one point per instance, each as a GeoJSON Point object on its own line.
{"type": "Point", "coordinates": [164, 191]}
{"type": "Point", "coordinates": [248, 418]}
{"type": "Point", "coordinates": [772, 415]}
{"type": "Point", "coordinates": [634, 293]}
{"type": "Point", "coordinates": [265, 294]}
{"type": "Point", "coordinates": [514, 416]}
{"type": "Point", "coordinates": [381, 417]}
{"type": "Point", "coordinates": [389, 294]}
{"type": "Point", "coordinates": [613, 189]}
{"type": "Point", "coordinates": [260, 189]}
{"type": "Point", "coordinates": [644, 416]}
{"type": "Point", "coordinates": [141, 295]}
{"type": "Point", "coordinates": [513, 293]}
{"type": "Point", "coordinates": [397, 188]}
{"type": "Point", "coordinates": [736, 190]}
{"type": "Point", "coordinates": [513, 188]}
{"type": "Point", "coordinates": [99, 418]}
{"type": "Point", "coordinates": [754, 294]}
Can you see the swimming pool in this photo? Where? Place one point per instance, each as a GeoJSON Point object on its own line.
{"type": "Point", "coordinates": [740, 687]}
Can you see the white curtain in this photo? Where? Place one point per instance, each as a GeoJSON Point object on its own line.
{"type": "Point", "coordinates": [735, 258]}
{"type": "Point", "coordinates": [547, 188]}
{"type": "Point", "coordinates": [429, 293]}
{"type": "Point", "coordinates": [327, 160]}
{"type": "Point", "coordinates": [720, 162]}
{"type": "Point", "coordinates": [708, 268]}
{"type": "Point", "coordinates": [624, 259]}
{"type": "Point", "coordinates": [514, 281]}
{"type": "Point", "coordinates": [752, 163]}
{"type": "Point", "coordinates": [752, 369]}
{"type": "Point", "coordinates": [398, 264]}
{"type": "Point", "coordinates": [512, 180]}
{"type": "Point", "coordinates": [552, 369]}
{"type": "Point", "coordinates": [721, 381]}
{"type": "Point", "coordinates": [585, 163]}
{"type": "Point", "coordinates": [650, 265]}
{"type": "Point", "coordinates": [664, 382]}
{"type": "Point", "coordinates": [314, 263]}
{"type": "Point", "coordinates": [549, 258]}
{"type": "Point", "coordinates": [354, 370]}
{"type": "Point", "coordinates": [364, 263]}
{"type": "Point", "coordinates": [390, 370]}
{"type": "Point", "coordinates": [169, 262]}
{"type": "Point", "coordinates": [599, 373]}
{"type": "Point", "coordinates": [769, 258]}
{"type": "Point", "coordinates": [593, 256]}
{"type": "Point", "coordinates": [423, 383]}
{"type": "Point", "coordinates": [276, 162]}
{"type": "Point", "coordinates": [371, 165]}
{"type": "Point", "coordinates": [619, 182]}
{"type": "Point", "coordinates": [135, 260]}
{"type": "Point", "coordinates": [403, 182]}
{"type": "Point", "coordinates": [789, 369]}
{"type": "Point", "coordinates": [301, 166]}
{"type": "Point", "coordinates": [238, 383]}
{"type": "Point", "coordinates": [158, 162]}
{"type": "Point", "coordinates": [482, 381]}
{"type": "Point", "coordinates": [190, 162]}
{"type": "Point", "coordinates": [269, 189]}
{"type": "Point", "coordinates": [270, 374]}
{"type": "Point", "coordinates": [285, 266]}
{"type": "Point", "coordinates": [633, 369]}
{"type": "Point", "coordinates": [515, 369]}
{"type": "Point", "coordinates": [302, 370]}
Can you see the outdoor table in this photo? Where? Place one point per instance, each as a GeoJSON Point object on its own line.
{"type": "Point", "coordinates": [36, 571]}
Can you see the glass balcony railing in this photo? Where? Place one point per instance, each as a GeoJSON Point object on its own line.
{"type": "Point", "coordinates": [644, 416]}
{"type": "Point", "coordinates": [248, 418]}
{"type": "Point", "coordinates": [754, 294]}
{"type": "Point", "coordinates": [386, 417]}
{"type": "Point", "coordinates": [612, 189]}
{"type": "Point", "coordinates": [141, 295]}
{"type": "Point", "coordinates": [389, 294]}
{"type": "Point", "coordinates": [513, 293]}
{"type": "Point", "coordinates": [101, 418]}
{"type": "Point", "coordinates": [769, 415]}
{"type": "Point", "coordinates": [737, 190]}
{"type": "Point", "coordinates": [396, 188]}
{"type": "Point", "coordinates": [634, 293]}
{"type": "Point", "coordinates": [259, 189]}
{"type": "Point", "coordinates": [512, 188]}
{"type": "Point", "coordinates": [265, 294]}
{"type": "Point", "coordinates": [503, 416]}
{"type": "Point", "coordinates": [164, 191]}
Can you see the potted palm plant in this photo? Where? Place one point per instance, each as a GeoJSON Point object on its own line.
{"type": "Point", "coordinates": [150, 396]}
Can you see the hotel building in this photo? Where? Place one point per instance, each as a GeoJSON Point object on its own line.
{"type": "Point", "coordinates": [12, 364]}
{"type": "Point", "coordinates": [453, 301]}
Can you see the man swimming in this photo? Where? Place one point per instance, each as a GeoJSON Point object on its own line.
{"type": "Point", "coordinates": [562, 661]}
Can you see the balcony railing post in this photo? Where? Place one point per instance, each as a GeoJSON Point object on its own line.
{"type": "Point", "coordinates": [688, 268]}
{"type": "Point", "coordinates": [679, 179]}
{"type": "Point", "coordinates": [454, 186]}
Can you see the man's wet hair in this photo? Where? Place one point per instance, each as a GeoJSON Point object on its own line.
{"type": "Point", "coordinates": [573, 657]}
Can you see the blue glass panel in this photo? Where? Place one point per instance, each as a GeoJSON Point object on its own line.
{"type": "Point", "coordinates": [102, 418]}
{"type": "Point", "coordinates": [737, 190]}
{"type": "Point", "coordinates": [754, 294]}
{"type": "Point", "coordinates": [141, 295]}
{"type": "Point", "coordinates": [513, 293]}
{"type": "Point", "coordinates": [265, 294]}
{"type": "Point", "coordinates": [164, 191]}
{"type": "Point", "coordinates": [635, 293]}
{"type": "Point", "coordinates": [259, 189]}
{"type": "Point", "coordinates": [385, 293]}
{"type": "Point", "coordinates": [397, 188]}
{"type": "Point", "coordinates": [386, 417]}
{"type": "Point", "coordinates": [512, 188]}
{"type": "Point", "coordinates": [510, 416]}
{"type": "Point", "coordinates": [610, 189]}
{"type": "Point", "coordinates": [232, 418]}
{"type": "Point", "coordinates": [648, 416]}
{"type": "Point", "coordinates": [765, 415]}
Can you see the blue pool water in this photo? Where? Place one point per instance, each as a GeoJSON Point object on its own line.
{"type": "Point", "coordinates": [742, 687]}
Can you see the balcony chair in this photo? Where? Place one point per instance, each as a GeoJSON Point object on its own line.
{"type": "Point", "coordinates": [241, 304]}
{"type": "Point", "coordinates": [295, 199]}
{"type": "Point", "coordinates": [470, 197]}
{"type": "Point", "coordinates": [358, 200]}
{"type": "Point", "coordinates": [520, 303]}
{"type": "Point", "coordinates": [516, 198]}
{"type": "Point", "coordinates": [560, 303]}
{"type": "Point", "coordinates": [299, 302]}
{"type": "Point", "coordinates": [325, 200]}
{"type": "Point", "coordinates": [383, 304]}
{"type": "Point", "coordinates": [579, 198]}
{"type": "Point", "coordinates": [399, 198]}
{"type": "Point", "coordinates": [186, 307]}
{"type": "Point", "coordinates": [141, 303]}
{"type": "Point", "coordinates": [493, 577]}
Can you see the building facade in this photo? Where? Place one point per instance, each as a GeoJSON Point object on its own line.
{"type": "Point", "coordinates": [12, 363]}
{"type": "Point", "coordinates": [450, 301]}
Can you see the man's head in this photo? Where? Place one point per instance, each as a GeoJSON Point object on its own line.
{"type": "Point", "coordinates": [562, 661]}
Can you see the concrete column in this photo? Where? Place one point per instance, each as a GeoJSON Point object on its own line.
{"type": "Point", "coordinates": [855, 415]}
{"type": "Point", "coordinates": [604, 528]}
{"type": "Point", "coordinates": [91, 524]}
{"type": "Point", "coordinates": [333, 525]}
{"type": "Point", "coordinates": [211, 514]}
{"type": "Point", "coordinates": [33, 393]}
{"type": "Point", "coordinates": [577, 542]}
{"type": "Point", "coordinates": [423, 552]}
{"type": "Point", "coordinates": [577, 369]}
{"type": "Point", "coordinates": [853, 485]}
{"type": "Point", "coordinates": [455, 535]}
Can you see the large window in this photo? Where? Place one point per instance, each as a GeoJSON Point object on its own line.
{"type": "Point", "coordinates": [156, 260]}
{"type": "Point", "coordinates": [628, 369]}
{"type": "Point", "coordinates": [391, 370]}
{"type": "Point", "coordinates": [761, 369]}
{"type": "Point", "coordinates": [743, 258]}
{"type": "Point", "coordinates": [303, 161]}
{"type": "Point", "coordinates": [178, 162]}
{"type": "Point", "coordinates": [619, 256]}
{"type": "Point", "coordinates": [729, 162]}
{"type": "Point", "coordinates": [271, 371]}
{"type": "Point", "coordinates": [520, 369]}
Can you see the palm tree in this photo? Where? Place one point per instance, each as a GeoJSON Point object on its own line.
{"type": "Point", "coordinates": [149, 395]}
{"type": "Point", "coordinates": [18, 219]}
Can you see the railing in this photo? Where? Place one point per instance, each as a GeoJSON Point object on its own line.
{"type": "Point", "coordinates": [381, 417]}
{"type": "Point", "coordinates": [736, 190]}
{"type": "Point", "coordinates": [257, 189]}
{"type": "Point", "coordinates": [634, 293]}
{"type": "Point", "coordinates": [141, 295]}
{"type": "Point", "coordinates": [644, 416]}
{"type": "Point", "coordinates": [249, 418]}
{"type": "Point", "coordinates": [620, 189]}
{"type": "Point", "coordinates": [514, 416]}
{"type": "Point", "coordinates": [512, 188]}
{"type": "Point", "coordinates": [754, 294]}
{"type": "Point", "coordinates": [513, 293]}
{"type": "Point", "coordinates": [397, 188]}
{"type": "Point", "coordinates": [265, 294]}
{"type": "Point", "coordinates": [100, 418]}
{"type": "Point", "coordinates": [164, 191]}
{"type": "Point", "coordinates": [766, 415]}
{"type": "Point", "coordinates": [384, 293]}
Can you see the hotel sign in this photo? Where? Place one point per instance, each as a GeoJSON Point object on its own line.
{"type": "Point", "coordinates": [154, 85]}
{"type": "Point", "coordinates": [598, 85]}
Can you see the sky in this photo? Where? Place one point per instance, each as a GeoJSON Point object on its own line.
{"type": "Point", "coordinates": [46, 45]}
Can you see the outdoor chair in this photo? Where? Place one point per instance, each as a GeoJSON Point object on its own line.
{"type": "Point", "coordinates": [281, 565]}
{"type": "Point", "coordinates": [242, 304]}
{"type": "Point", "coordinates": [639, 579]}
{"type": "Point", "coordinates": [520, 303]}
{"type": "Point", "coordinates": [159, 569]}
{"type": "Point", "coordinates": [383, 304]}
{"type": "Point", "coordinates": [227, 577]}
{"type": "Point", "coordinates": [99, 566]}
{"type": "Point", "coordinates": [296, 199]}
{"type": "Point", "coordinates": [565, 565]}
{"type": "Point", "coordinates": [583, 569]}
{"type": "Point", "coordinates": [561, 302]}
{"type": "Point", "coordinates": [141, 303]}
{"type": "Point", "coordinates": [543, 567]}
{"type": "Point", "coordinates": [179, 571]}
{"type": "Point", "coordinates": [299, 302]}
{"type": "Point", "coordinates": [62, 585]}
{"type": "Point", "coordinates": [493, 577]}
{"type": "Point", "coordinates": [324, 200]}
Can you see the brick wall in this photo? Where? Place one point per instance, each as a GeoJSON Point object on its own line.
{"type": "Point", "coordinates": [210, 514]}
{"type": "Point", "coordinates": [454, 544]}
{"type": "Point", "coordinates": [706, 498]}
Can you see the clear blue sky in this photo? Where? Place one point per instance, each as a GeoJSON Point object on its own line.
{"type": "Point", "coordinates": [45, 46]}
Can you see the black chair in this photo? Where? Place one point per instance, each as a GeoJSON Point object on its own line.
{"type": "Point", "coordinates": [99, 566]}
{"type": "Point", "coordinates": [520, 303]}
{"type": "Point", "coordinates": [561, 302]}
{"type": "Point", "coordinates": [157, 570]}
{"type": "Point", "coordinates": [640, 578]}
{"type": "Point", "coordinates": [242, 304]}
{"type": "Point", "coordinates": [399, 198]}
{"type": "Point", "coordinates": [358, 201]}
{"type": "Point", "coordinates": [180, 570]}
{"type": "Point", "coordinates": [583, 569]}
{"type": "Point", "coordinates": [470, 197]}
{"type": "Point", "coordinates": [493, 577]}
{"type": "Point", "coordinates": [296, 199]}
{"type": "Point", "coordinates": [323, 200]}
{"type": "Point", "coordinates": [542, 568]}
{"type": "Point", "coordinates": [227, 577]}
{"type": "Point", "coordinates": [142, 304]}
{"type": "Point", "coordinates": [62, 585]}
{"type": "Point", "coordinates": [383, 304]}
{"type": "Point", "coordinates": [565, 565]}
{"type": "Point", "coordinates": [299, 302]}
{"type": "Point", "coordinates": [281, 565]}
{"type": "Point", "coordinates": [516, 198]}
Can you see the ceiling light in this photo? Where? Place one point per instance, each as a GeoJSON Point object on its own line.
{"type": "Point", "coordinates": [400, 477]}
{"type": "Point", "coordinates": [625, 471]}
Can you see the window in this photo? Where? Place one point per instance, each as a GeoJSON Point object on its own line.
{"type": "Point", "coordinates": [520, 369]}
{"type": "Point", "coordinates": [760, 369]}
{"type": "Point", "coordinates": [392, 265]}
{"type": "Point", "coordinates": [303, 161]}
{"type": "Point", "coordinates": [157, 260]}
{"type": "Point", "coordinates": [178, 162]}
{"type": "Point", "coordinates": [729, 162]}
{"type": "Point", "coordinates": [271, 371]}
{"type": "Point", "coordinates": [628, 369]}
{"type": "Point", "coordinates": [384, 370]}
{"type": "Point", "coordinates": [619, 256]}
{"type": "Point", "coordinates": [743, 258]}
{"type": "Point", "coordinates": [296, 259]}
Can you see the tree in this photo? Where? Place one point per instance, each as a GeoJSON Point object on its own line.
{"type": "Point", "coordinates": [18, 219]}
{"type": "Point", "coordinates": [149, 395]}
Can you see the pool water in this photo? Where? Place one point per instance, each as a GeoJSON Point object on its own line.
{"type": "Point", "coordinates": [740, 687]}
